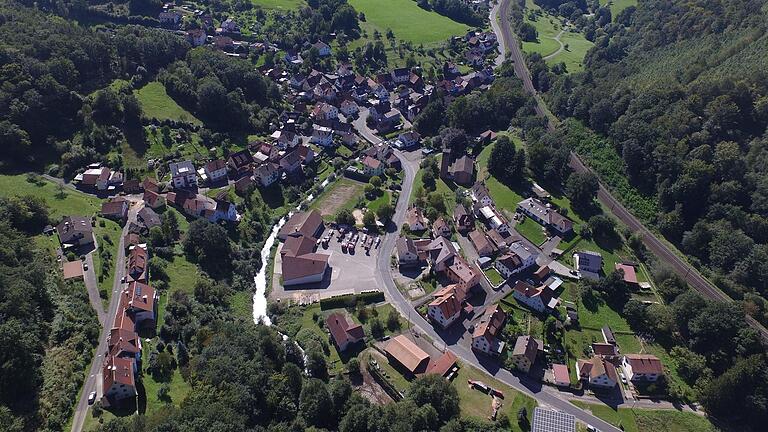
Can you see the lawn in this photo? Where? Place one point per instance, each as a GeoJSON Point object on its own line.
{"type": "Point", "coordinates": [477, 404]}
{"type": "Point", "coordinates": [279, 4]}
{"type": "Point", "coordinates": [407, 20]}
{"type": "Point", "coordinates": [384, 198]}
{"type": "Point", "coordinates": [61, 202]}
{"type": "Point", "coordinates": [155, 103]}
{"type": "Point", "coordinates": [449, 195]}
{"type": "Point", "coordinates": [637, 420]}
{"type": "Point", "coordinates": [618, 6]}
{"type": "Point", "coordinates": [531, 230]}
{"type": "Point", "coordinates": [494, 276]}
{"type": "Point", "coordinates": [574, 44]}
{"type": "Point", "coordinates": [108, 239]}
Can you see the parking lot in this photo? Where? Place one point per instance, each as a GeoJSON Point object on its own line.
{"type": "Point", "coordinates": [352, 268]}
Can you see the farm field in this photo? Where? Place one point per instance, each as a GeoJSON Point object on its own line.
{"type": "Point", "coordinates": [649, 420]}
{"type": "Point", "coordinates": [574, 44]}
{"type": "Point", "coordinates": [407, 20]}
{"type": "Point", "coordinates": [155, 103]}
{"type": "Point", "coordinates": [343, 194]}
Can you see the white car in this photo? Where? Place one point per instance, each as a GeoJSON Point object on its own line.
{"type": "Point", "coordinates": [92, 398]}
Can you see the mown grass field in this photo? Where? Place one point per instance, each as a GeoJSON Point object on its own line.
{"type": "Point", "coordinates": [61, 202]}
{"type": "Point", "coordinates": [407, 20]}
{"type": "Point", "coordinates": [637, 420]}
{"type": "Point", "coordinates": [474, 403]}
{"type": "Point", "coordinates": [617, 6]}
{"type": "Point", "coordinates": [575, 45]}
{"type": "Point", "coordinates": [279, 4]}
{"type": "Point", "coordinates": [155, 103]}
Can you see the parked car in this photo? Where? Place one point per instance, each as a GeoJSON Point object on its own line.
{"type": "Point", "coordinates": [91, 398]}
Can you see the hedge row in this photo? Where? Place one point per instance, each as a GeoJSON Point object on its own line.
{"type": "Point", "coordinates": [350, 300]}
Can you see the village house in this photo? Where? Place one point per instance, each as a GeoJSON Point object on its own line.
{"type": "Point", "coordinates": [461, 273]}
{"type": "Point", "coordinates": [321, 135]}
{"type": "Point", "coordinates": [148, 218]}
{"type": "Point", "coordinates": [481, 195]}
{"type": "Point", "coordinates": [539, 299]}
{"type": "Point", "coordinates": [495, 219]}
{"type": "Point", "coordinates": [240, 162]}
{"type": "Point", "coordinates": [267, 174]}
{"type": "Point", "coordinates": [606, 350]}
{"type": "Point", "coordinates": [137, 264]}
{"type": "Point", "coordinates": [291, 163]}
{"type": "Point", "coordinates": [153, 199]}
{"type": "Point", "coordinates": [544, 215]}
{"type": "Point", "coordinates": [124, 344]}
{"type": "Point", "coordinates": [300, 263]}
{"type": "Point", "coordinates": [401, 75]}
{"type": "Point", "coordinates": [183, 174]}
{"type": "Point", "coordinates": [409, 139]}
{"type": "Point", "coordinates": [524, 353]}
{"type": "Point", "coordinates": [343, 331]}
{"type": "Point", "coordinates": [216, 170]}
{"type": "Point", "coordinates": [118, 379]}
{"type": "Point", "coordinates": [444, 310]}
{"type": "Point", "coordinates": [286, 139]}
{"type": "Point", "coordinates": [407, 254]}
{"type": "Point", "coordinates": [74, 231]}
{"type": "Point", "coordinates": [517, 260]}
{"type": "Point", "coordinates": [196, 37]}
{"type": "Point", "coordinates": [597, 372]}
{"type": "Point", "coordinates": [325, 111]}
{"type": "Point", "coordinates": [485, 337]}
{"type": "Point", "coordinates": [440, 228]}
{"type": "Point", "coordinates": [323, 49]}
{"type": "Point", "coordinates": [228, 26]}
{"type": "Point", "coordinates": [115, 209]}
{"type": "Point", "coordinates": [223, 210]}
{"type": "Point", "coordinates": [349, 107]}
{"type": "Point", "coordinates": [150, 184]}
{"type": "Point", "coordinates": [96, 178]}
{"type": "Point", "coordinates": [463, 219]}
{"type": "Point", "coordinates": [482, 244]}
{"type": "Point", "coordinates": [415, 219]}
{"type": "Point", "coordinates": [372, 167]}
{"type": "Point", "coordinates": [628, 274]}
{"type": "Point", "coordinates": [588, 264]}
{"type": "Point", "coordinates": [642, 367]}
{"type": "Point", "coordinates": [169, 17]}
{"type": "Point", "coordinates": [562, 378]}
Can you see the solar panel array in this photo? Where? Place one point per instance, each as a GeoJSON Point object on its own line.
{"type": "Point", "coordinates": [545, 420]}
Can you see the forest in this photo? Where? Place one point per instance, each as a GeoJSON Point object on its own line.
{"type": "Point", "coordinates": [691, 143]}
{"type": "Point", "coordinates": [47, 326]}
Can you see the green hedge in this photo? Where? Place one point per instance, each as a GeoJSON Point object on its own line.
{"type": "Point", "coordinates": [350, 300]}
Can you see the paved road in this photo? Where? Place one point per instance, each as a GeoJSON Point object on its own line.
{"type": "Point", "coordinates": [544, 395]}
{"type": "Point", "coordinates": [652, 242]}
{"type": "Point", "coordinates": [91, 383]}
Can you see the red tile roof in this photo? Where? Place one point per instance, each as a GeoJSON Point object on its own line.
{"type": "Point", "coordinates": [644, 364]}
{"type": "Point", "coordinates": [407, 353]}
{"type": "Point", "coordinates": [629, 273]}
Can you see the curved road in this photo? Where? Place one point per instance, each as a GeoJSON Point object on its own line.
{"type": "Point", "coordinates": [543, 394]}
{"type": "Point", "coordinates": [507, 38]}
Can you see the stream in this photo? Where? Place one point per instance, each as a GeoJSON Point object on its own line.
{"type": "Point", "coordinates": [260, 296]}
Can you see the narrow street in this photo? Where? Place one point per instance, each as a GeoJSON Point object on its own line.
{"type": "Point", "coordinates": [91, 382]}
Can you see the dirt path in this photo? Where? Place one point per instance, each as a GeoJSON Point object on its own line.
{"type": "Point", "coordinates": [559, 50]}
